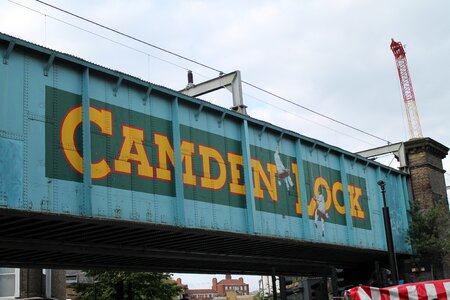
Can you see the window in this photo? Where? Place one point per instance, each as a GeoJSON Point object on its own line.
{"type": "Point", "coordinates": [9, 283]}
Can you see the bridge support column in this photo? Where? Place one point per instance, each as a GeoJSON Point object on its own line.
{"type": "Point", "coordinates": [58, 284]}
{"type": "Point", "coordinates": [424, 162]}
{"type": "Point", "coordinates": [32, 283]}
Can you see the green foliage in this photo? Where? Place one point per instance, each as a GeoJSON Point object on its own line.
{"type": "Point", "coordinates": [429, 233]}
{"type": "Point", "coordinates": [132, 285]}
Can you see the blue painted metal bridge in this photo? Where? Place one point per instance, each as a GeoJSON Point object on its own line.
{"type": "Point", "coordinates": [101, 169]}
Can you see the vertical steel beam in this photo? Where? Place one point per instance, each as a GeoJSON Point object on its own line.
{"type": "Point", "coordinates": [178, 167]}
{"type": "Point", "coordinates": [17, 283]}
{"type": "Point", "coordinates": [347, 204]}
{"type": "Point", "coordinates": [26, 203]}
{"type": "Point", "coordinates": [274, 285]}
{"type": "Point", "coordinates": [248, 178]}
{"type": "Point", "coordinates": [403, 200]}
{"type": "Point", "coordinates": [282, 282]}
{"type": "Point", "coordinates": [406, 193]}
{"type": "Point", "coordinates": [302, 190]}
{"type": "Point", "coordinates": [86, 209]}
{"type": "Point", "coordinates": [389, 238]}
{"type": "Point", "coordinates": [48, 282]}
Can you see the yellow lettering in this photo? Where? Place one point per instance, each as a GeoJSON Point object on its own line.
{"type": "Point", "coordinates": [235, 187]}
{"type": "Point", "coordinates": [187, 149]}
{"type": "Point", "coordinates": [165, 151]}
{"type": "Point", "coordinates": [298, 204]}
{"type": "Point", "coordinates": [337, 187]}
{"type": "Point", "coordinates": [259, 174]}
{"type": "Point", "coordinates": [207, 181]}
{"type": "Point", "coordinates": [356, 192]}
{"type": "Point", "coordinates": [103, 119]}
{"type": "Point", "coordinates": [133, 150]}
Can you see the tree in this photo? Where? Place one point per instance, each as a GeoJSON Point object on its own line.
{"type": "Point", "coordinates": [128, 285]}
{"type": "Point", "coordinates": [429, 235]}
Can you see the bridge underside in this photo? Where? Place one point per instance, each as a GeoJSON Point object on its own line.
{"type": "Point", "coordinates": [66, 242]}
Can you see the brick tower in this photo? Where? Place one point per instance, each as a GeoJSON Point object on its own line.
{"type": "Point", "coordinates": [424, 160]}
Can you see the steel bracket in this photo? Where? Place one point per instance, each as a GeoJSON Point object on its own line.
{"type": "Point", "coordinates": [49, 63]}
{"type": "Point", "coordinates": [147, 95]}
{"type": "Point", "coordinates": [262, 131]}
{"type": "Point", "coordinates": [313, 148]}
{"type": "Point", "coordinates": [117, 86]}
{"type": "Point", "coordinates": [198, 112]}
{"type": "Point", "coordinates": [220, 121]}
{"type": "Point", "coordinates": [327, 153]}
{"type": "Point", "coordinates": [231, 81]}
{"type": "Point", "coordinates": [280, 137]}
{"type": "Point", "coordinates": [8, 52]}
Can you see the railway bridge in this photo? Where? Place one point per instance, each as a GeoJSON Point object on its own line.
{"type": "Point", "coordinates": [99, 169]}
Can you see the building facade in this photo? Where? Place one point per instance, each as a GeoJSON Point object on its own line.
{"type": "Point", "coordinates": [220, 289]}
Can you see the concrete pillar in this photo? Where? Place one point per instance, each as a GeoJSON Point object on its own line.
{"type": "Point", "coordinates": [59, 284]}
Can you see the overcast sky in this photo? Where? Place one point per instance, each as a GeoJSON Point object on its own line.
{"type": "Point", "coordinates": [330, 56]}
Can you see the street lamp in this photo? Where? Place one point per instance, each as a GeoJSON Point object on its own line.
{"type": "Point", "coordinates": [388, 230]}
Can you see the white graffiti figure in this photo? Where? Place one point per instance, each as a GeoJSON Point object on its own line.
{"type": "Point", "coordinates": [282, 172]}
{"type": "Point", "coordinates": [320, 211]}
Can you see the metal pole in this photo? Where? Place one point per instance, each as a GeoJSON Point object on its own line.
{"type": "Point", "coordinates": [389, 240]}
{"type": "Point", "coordinates": [274, 285]}
{"type": "Point", "coordinates": [282, 281]}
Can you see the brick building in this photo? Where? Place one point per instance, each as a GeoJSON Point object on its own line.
{"type": "Point", "coordinates": [230, 284]}
{"type": "Point", "coordinates": [220, 289]}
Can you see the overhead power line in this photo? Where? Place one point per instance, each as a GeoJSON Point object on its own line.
{"type": "Point", "coordinates": [313, 111]}
{"type": "Point", "coordinates": [210, 68]}
{"type": "Point", "coordinates": [129, 36]}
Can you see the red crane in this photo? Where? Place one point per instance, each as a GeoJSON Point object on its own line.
{"type": "Point", "coordinates": [415, 130]}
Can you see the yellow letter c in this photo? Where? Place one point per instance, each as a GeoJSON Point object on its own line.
{"type": "Point", "coordinates": [103, 119]}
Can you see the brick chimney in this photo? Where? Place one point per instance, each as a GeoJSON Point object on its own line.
{"type": "Point", "coordinates": [214, 284]}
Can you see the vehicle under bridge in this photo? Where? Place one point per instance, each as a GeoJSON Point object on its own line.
{"type": "Point", "coordinates": [99, 169]}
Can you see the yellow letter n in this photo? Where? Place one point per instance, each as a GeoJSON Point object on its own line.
{"type": "Point", "coordinates": [269, 182]}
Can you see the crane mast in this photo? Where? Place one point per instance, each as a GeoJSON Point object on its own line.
{"type": "Point", "coordinates": [415, 130]}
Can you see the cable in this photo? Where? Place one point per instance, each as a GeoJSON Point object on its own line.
{"type": "Point", "coordinates": [129, 36]}
{"type": "Point", "coordinates": [313, 111]}
{"type": "Point", "coordinates": [208, 67]}
{"type": "Point", "coordinates": [306, 119]}
{"type": "Point", "coordinates": [106, 38]}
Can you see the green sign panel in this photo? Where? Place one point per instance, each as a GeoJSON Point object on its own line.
{"type": "Point", "coordinates": [134, 151]}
